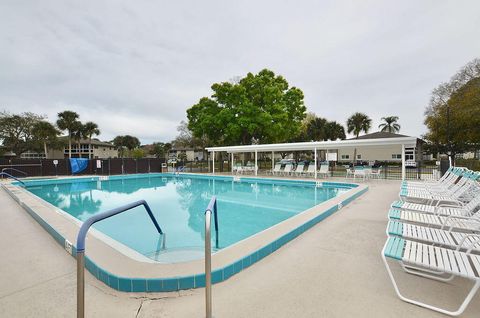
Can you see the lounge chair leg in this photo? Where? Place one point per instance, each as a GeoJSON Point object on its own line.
{"type": "Point", "coordinates": [418, 271]}
{"type": "Point", "coordinates": [459, 311]}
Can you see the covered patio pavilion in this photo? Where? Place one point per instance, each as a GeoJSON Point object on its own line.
{"type": "Point", "coordinates": [315, 146]}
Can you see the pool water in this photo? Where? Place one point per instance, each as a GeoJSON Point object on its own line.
{"type": "Point", "coordinates": [178, 202]}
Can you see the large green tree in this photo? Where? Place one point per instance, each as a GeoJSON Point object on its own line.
{"type": "Point", "coordinates": [46, 134]}
{"type": "Point", "coordinates": [258, 108]}
{"type": "Point", "coordinates": [453, 115]}
{"type": "Point", "coordinates": [68, 120]}
{"type": "Point", "coordinates": [90, 129]}
{"type": "Point", "coordinates": [390, 124]}
{"type": "Point", "coordinates": [125, 142]}
{"type": "Point", "coordinates": [16, 131]}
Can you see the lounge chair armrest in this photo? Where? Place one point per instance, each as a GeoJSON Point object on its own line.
{"type": "Point", "coordinates": [448, 218]}
{"type": "Point", "coordinates": [470, 245]}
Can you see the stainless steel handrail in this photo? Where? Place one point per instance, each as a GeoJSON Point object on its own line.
{"type": "Point", "coordinates": [12, 177]}
{"type": "Point", "coordinates": [212, 208]}
{"type": "Point", "coordinates": [82, 234]}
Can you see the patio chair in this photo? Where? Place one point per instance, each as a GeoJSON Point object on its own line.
{"type": "Point", "coordinates": [456, 223]}
{"type": "Point", "coordinates": [432, 262]}
{"type": "Point", "coordinates": [429, 235]}
{"type": "Point", "coordinates": [310, 170]}
{"type": "Point", "coordinates": [468, 209]}
{"type": "Point", "coordinates": [299, 170]}
{"type": "Point", "coordinates": [288, 169]}
{"type": "Point", "coordinates": [349, 173]}
{"type": "Point", "coordinates": [457, 179]}
{"type": "Point", "coordinates": [324, 171]}
{"type": "Point", "coordinates": [376, 174]}
{"type": "Point", "coordinates": [450, 175]}
{"type": "Point", "coordinates": [466, 188]}
{"type": "Point", "coordinates": [277, 169]}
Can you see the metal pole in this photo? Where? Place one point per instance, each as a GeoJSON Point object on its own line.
{"type": "Point", "coordinates": [80, 284]}
{"type": "Point", "coordinates": [403, 162]}
{"type": "Point", "coordinates": [213, 162]}
{"type": "Point", "coordinates": [208, 266]}
{"type": "Point", "coordinates": [315, 162]}
{"type": "Point", "coordinates": [256, 159]}
{"type": "Point", "coordinates": [232, 161]}
{"type": "Point", "coordinates": [273, 162]}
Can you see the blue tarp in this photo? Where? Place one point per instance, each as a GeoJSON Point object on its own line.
{"type": "Point", "coordinates": [78, 164]}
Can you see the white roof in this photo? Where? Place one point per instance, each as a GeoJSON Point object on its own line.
{"type": "Point", "coordinates": [294, 146]}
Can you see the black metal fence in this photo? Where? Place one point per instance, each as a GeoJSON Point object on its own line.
{"type": "Point", "coordinates": [52, 167]}
{"type": "Point", "coordinates": [59, 167]}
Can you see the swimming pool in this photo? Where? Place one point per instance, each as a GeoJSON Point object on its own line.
{"type": "Point", "coordinates": [130, 256]}
{"type": "Point", "coordinates": [245, 208]}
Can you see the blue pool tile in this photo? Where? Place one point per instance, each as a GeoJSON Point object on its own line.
{"type": "Point", "coordinates": [200, 280]}
{"type": "Point", "coordinates": [125, 284]}
{"type": "Point", "coordinates": [254, 257]}
{"type": "Point", "coordinates": [113, 281]}
{"type": "Point", "coordinates": [264, 251]}
{"type": "Point", "coordinates": [103, 276]}
{"type": "Point", "coordinates": [237, 266]}
{"type": "Point", "coordinates": [217, 276]}
{"type": "Point", "coordinates": [228, 271]}
{"type": "Point", "coordinates": [170, 284]}
{"type": "Point", "coordinates": [90, 266]}
{"type": "Point", "coordinates": [246, 261]}
{"type": "Point", "coordinates": [154, 285]}
{"type": "Point", "coordinates": [186, 282]}
{"type": "Point", "coordinates": [139, 285]}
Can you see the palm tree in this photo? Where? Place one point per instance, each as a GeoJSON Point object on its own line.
{"type": "Point", "coordinates": [67, 120]}
{"type": "Point", "coordinates": [46, 133]}
{"type": "Point", "coordinates": [90, 129]}
{"type": "Point", "coordinates": [334, 131]}
{"type": "Point", "coordinates": [357, 123]}
{"type": "Point", "coordinates": [78, 134]}
{"type": "Point", "coordinates": [390, 124]}
{"type": "Point", "coordinates": [316, 129]}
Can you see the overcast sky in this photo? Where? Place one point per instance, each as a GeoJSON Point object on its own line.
{"type": "Point", "coordinates": [134, 67]}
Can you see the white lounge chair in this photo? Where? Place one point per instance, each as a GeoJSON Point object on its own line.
{"type": "Point", "coordinates": [310, 170]}
{"type": "Point", "coordinates": [443, 209]}
{"type": "Point", "coordinates": [431, 262]}
{"type": "Point", "coordinates": [299, 169]}
{"type": "Point", "coordinates": [288, 169]}
{"type": "Point", "coordinates": [277, 169]}
{"type": "Point", "coordinates": [324, 171]}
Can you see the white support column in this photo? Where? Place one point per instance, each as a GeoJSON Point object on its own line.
{"type": "Point", "coordinates": [213, 162]}
{"type": "Point", "coordinates": [315, 156]}
{"type": "Point", "coordinates": [273, 162]}
{"type": "Point", "coordinates": [256, 158]}
{"type": "Point", "coordinates": [232, 161]}
{"type": "Point", "coordinates": [403, 162]}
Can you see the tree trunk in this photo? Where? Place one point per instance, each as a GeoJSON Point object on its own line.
{"type": "Point", "coordinates": [45, 149]}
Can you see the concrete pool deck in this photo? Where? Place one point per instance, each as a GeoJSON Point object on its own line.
{"type": "Point", "coordinates": [332, 270]}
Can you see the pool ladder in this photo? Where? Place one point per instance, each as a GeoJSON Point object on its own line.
{"type": "Point", "coordinates": [11, 177]}
{"type": "Point", "coordinates": [82, 234]}
{"type": "Point", "coordinates": [211, 208]}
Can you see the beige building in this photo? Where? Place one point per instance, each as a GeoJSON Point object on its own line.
{"type": "Point", "coordinates": [98, 150]}
{"type": "Point", "coordinates": [389, 152]}
{"type": "Point", "coordinates": [191, 154]}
